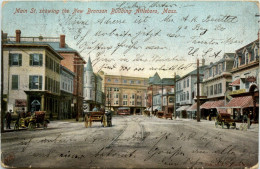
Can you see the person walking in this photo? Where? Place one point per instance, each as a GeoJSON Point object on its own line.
{"type": "Point", "coordinates": [8, 118]}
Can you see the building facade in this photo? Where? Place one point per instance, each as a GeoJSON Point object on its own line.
{"type": "Point", "coordinates": [245, 82]}
{"type": "Point", "coordinates": [185, 90]}
{"type": "Point", "coordinates": [93, 94]}
{"type": "Point", "coordinates": [125, 91]}
{"type": "Point", "coordinates": [66, 89]}
{"type": "Point", "coordinates": [216, 80]}
{"type": "Point", "coordinates": [31, 76]}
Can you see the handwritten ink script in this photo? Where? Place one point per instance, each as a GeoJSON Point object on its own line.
{"type": "Point", "coordinates": [145, 36]}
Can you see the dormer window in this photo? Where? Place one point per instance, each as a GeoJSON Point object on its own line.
{"type": "Point", "coordinates": [219, 69]}
{"type": "Point", "coordinates": [246, 57]}
{"type": "Point", "coordinates": [254, 55]}
{"type": "Point", "coordinates": [235, 62]}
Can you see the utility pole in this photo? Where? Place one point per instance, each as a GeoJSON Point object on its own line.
{"type": "Point", "coordinates": [162, 97]}
{"type": "Point", "coordinates": [2, 85]}
{"type": "Point", "coordinates": [198, 91]}
{"type": "Point", "coordinates": [174, 96]}
{"type": "Point", "coordinates": [95, 89]}
{"type": "Point", "coordinates": [152, 97]}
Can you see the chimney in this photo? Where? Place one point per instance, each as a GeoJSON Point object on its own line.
{"type": "Point", "coordinates": [62, 41]}
{"type": "Point", "coordinates": [203, 62]}
{"type": "Point", "coordinates": [18, 36]}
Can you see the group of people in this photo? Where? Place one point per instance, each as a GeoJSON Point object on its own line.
{"type": "Point", "coordinates": [8, 117]}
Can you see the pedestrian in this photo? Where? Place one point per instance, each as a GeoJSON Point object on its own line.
{"type": "Point", "coordinates": [8, 118]}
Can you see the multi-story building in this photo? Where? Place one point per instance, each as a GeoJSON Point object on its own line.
{"type": "Point", "coordinates": [216, 80]}
{"type": "Point", "coordinates": [93, 95]}
{"type": "Point", "coordinates": [66, 89]}
{"type": "Point", "coordinates": [125, 91]}
{"type": "Point", "coordinates": [159, 91]}
{"type": "Point", "coordinates": [75, 63]}
{"type": "Point", "coordinates": [31, 75]}
{"type": "Point", "coordinates": [245, 82]}
{"type": "Point", "coordinates": [185, 90]}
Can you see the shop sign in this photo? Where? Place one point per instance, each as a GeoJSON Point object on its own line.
{"type": "Point", "coordinates": [238, 91]}
{"type": "Point", "coordinates": [20, 103]}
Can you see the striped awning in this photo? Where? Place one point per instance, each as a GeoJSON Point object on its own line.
{"type": "Point", "coordinates": [207, 105]}
{"type": "Point", "coordinates": [182, 108]}
{"type": "Point", "coordinates": [193, 107]}
{"type": "Point", "coordinates": [235, 83]}
{"type": "Point", "coordinates": [241, 102]}
{"type": "Point", "coordinates": [213, 104]}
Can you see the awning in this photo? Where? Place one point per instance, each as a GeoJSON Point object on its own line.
{"type": "Point", "coordinates": [235, 83]}
{"type": "Point", "coordinates": [207, 105]}
{"type": "Point", "coordinates": [219, 103]}
{"type": "Point", "coordinates": [182, 108]}
{"type": "Point", "coordinates": [241, 102]}
{"type": "Point", "coordinates": [213, 104]}
{"type": "Point", "coordinates": [193, 107]}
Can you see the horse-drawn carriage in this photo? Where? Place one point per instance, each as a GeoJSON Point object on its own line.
{"type": "Point", "coordinates": [105, 117]}
{"type": "Point", "coordinates": [37, 119]}
{"type": "Point", "coordinates": [224, 119]}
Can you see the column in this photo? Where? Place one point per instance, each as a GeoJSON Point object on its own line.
{"type": "Point", "coordinates": [42, 103]}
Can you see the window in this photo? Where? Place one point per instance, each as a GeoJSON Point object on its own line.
{"type": "Point", "coordinates": [215, 89]}
{"type": "Point", "coordinates": [188, 81]}
{"type": "Point", "coordinates": [211, 90]}
{"type": "Point", "coordinates": [247, 84]}
{"type": "Point", "coordinates": [35, 82]}
{"type": "Point", "coordinates": [236, 62]}
{"type": "Point", "coordinates": [184, 84]}
{"type": "Point", "coordinates": [125, 96]}
{"type": "Point", "coordinates": [116, 89]}
{"type": "Point", "coordinates": [117, 102]}
{"type": "Point", "coordinates": [207, 91]}
{"type": "Point", "coordinates": [131, 82]}
{"type": "Point", "coordinates": [138, 82]}
{"type": "Point", "coordinates": [116, 96]}
{"type": "Point", "coordinates": [210, 72]}
{"type": "Point", "coordinates": [247, 57]}
{"type": "Point", "coordinates": [133, 96]}
{"type": "Point", "coordinates": [242, 61]}
{"type": "Point", "coordinates": [216, 70]}
{"type": "Point", "coordinates": [255, 54]}
{"type": "Point", "coordinates": [35, 59]}
{"type": "Point", "coordinates": [188, 96]}
{"type": "Point", "coordinates": [124, 81]}
{"type": "Point", "coordinates": [219, 69]}
{"type": "Point", "coordinates": [15, 59]}
{"type": "Point", "coordinates": [116, 80]}
{"type": "Point", "coordinates": [170, 99]}
{"type": "Point", "coordinates": [108, 80]}
{"type": "Point", "coordinates": [133, 103]}
{"type": "Point", "coordinates": [15, 82]}
{"type": "Point", "coordinates": [124, 102]}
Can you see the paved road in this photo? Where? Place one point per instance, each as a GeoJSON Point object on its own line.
{"type": "Point", "coordinates": [132, 142]}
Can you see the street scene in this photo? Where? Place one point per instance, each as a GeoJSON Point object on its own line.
{"type": "Point", "coordinates": [132, 142]}
{"type": "Point", "coordinates": [130, 84]}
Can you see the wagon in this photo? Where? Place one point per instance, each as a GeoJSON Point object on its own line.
{"type": "Point", "coordinates": [33, 121]}
{"type": "Point", "coordinates": [224, 119]}
{"type": "Point", "coordinates": [95, 116]}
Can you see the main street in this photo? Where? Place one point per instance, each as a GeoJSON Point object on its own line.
{"type": "Point", "coordinates": [132, 142]}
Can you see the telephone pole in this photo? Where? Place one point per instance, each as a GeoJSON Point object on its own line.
{"type": "Point", "coordinates": [2, 85]}
{"type": "Point", "coordinates": [175, 95]}
{"type": "Point", "coordinates": [198, 91]}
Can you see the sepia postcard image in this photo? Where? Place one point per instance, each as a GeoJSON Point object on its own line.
{"type": "Point", "coordinates": [129, 84]}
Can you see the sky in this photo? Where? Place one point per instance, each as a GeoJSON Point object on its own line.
{"type": "Point", "coordinates": [143, 43]}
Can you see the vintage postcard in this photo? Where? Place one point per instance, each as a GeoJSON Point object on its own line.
{"type": "Point", "coordinates": [130, 84]}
